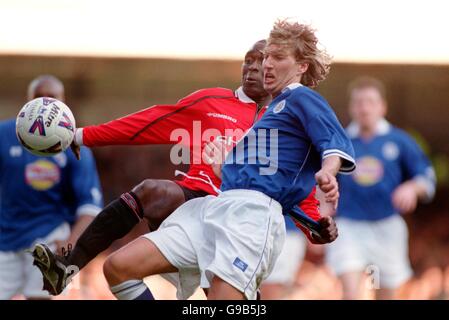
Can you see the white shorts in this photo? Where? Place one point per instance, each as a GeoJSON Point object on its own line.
{"type": "Point", "coordinates": [236, 236]}
{"type": "Point", "coordinates": [18, 275]}
{"type": "Point", "coordinates": [379, 248]}
{"type": "Point", "coordinates": [289, 260]}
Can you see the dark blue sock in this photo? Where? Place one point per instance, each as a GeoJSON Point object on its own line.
{"type": "Point", "coordinates": [129, 290]}
{"type": "Point", "coordinates": [146, 295]}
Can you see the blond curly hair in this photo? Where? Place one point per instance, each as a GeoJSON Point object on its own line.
{"type": "Point", "coordinates": [301, 39]}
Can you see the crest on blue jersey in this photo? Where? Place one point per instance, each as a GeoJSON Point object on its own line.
{"type": "Point", "coordinates": [390, 151]}
{"type": "Point", "coordinates": [15, 151]}
{"type": "Point", "coordinates": [279, 107]}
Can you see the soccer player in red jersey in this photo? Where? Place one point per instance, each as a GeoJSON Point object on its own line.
{"type": "Point", "coordinates": [193, 121]}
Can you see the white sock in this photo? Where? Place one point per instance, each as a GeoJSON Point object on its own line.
{"type": "Point", "coordinates": [128, 290]}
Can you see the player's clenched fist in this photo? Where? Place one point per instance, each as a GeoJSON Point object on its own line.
{"type": "Point", "coordinates": [328, 232]}
{"type": "Point", "coordinates": [329, 185]}
{"type": "Point", "coordinates": [214, 153]}
{"type": "Point", "coordinates": [405, 197]}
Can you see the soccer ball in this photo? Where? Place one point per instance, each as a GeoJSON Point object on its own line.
{"type": "Point", "coordinates": [45, 126]}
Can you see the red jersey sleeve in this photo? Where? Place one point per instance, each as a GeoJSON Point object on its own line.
{"type": "Point", "coordinates": [132, 129]}
{"type": "Point", "coordinates": [153, 125]}
{"type": "Point", "coordinates": [311, 207]}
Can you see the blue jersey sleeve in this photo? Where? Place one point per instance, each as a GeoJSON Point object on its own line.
{"type": "Point", "coordinates": [416, 165]}
{"type": "Point", "coordinates": [2, 134]}
{"type": "Point", "coordinates": [86, 184]}
{"type": "Point", "coordinates": [324, 130]}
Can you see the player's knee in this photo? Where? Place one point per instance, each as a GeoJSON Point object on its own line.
{"type": "Point", "coordinates": [148, 190]}
{"type": "Point", "coordinates": [152, 195]}
{"type": "Point", "coordinates": [115, 270]}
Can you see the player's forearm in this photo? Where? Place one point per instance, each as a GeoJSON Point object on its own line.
{"type": "Point", "coordinates": [326, 208]}
{"type": "Point", "coordinates": [148, 126]}
{"type": "Point", "coordinates": [331, 164]}
{"type": "Point", "coordinates": [102, 135]}
{"type": "Point", "coordinates": [108, 134]}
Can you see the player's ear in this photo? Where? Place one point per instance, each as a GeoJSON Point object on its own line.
{"type": "Point", "coordinates": [302, 67]}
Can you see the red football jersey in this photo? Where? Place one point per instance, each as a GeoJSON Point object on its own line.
{"type": "Point", "coordinates": [194, 121]}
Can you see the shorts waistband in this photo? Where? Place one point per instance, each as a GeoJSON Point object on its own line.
{"type": "Point", "coordinates": [251, 194]}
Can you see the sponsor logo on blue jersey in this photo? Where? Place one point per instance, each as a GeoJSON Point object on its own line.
{"type": "Point", "coordinates": [370, 171]}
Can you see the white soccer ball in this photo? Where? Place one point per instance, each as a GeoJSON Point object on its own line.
{"type": "Point", "coordinates": [45, 126]}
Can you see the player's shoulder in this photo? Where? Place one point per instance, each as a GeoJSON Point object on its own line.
{"type": "Point", "coordinates": [8, 123]}
{"type": "Point", "coordinates": [305, 95]}
{"type": "Point", "coordinates": [8, 128]}
{"type": "Point", "coordinates": [306, 100]}
{"type": "Point", "coordinates": [399, 135]}
{"type": "Point", "coordinates": [301, 90]}
{"type": "Point", "coordinates": [208, 93]}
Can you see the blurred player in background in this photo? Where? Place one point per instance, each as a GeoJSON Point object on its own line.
{"type": "Point", "coordinates": [153, 200]}
{"type": "Point", "coordinates": [42, 199]}
{"type": "Point", "coordinates": [392, 175]}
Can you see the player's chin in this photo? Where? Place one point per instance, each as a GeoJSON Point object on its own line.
{"type": "Point", "coordinates": [253, 88]}
{"type": "Point", "coordinates": [269, 87]}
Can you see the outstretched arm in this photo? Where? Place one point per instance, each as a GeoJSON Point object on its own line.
{"type": "Point", "coordinates": [326, 178]}
{"type": "Point", "coordinates": [159, 124]}
{"type": "Point", "coordinates": [318, 229]}
{"type": "Point", "coordinates": [153, 125]}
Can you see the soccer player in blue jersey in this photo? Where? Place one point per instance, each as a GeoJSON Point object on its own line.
{"type": "Point", "coordinates": [392, 175]}
{"type": "Point", "coordinates": [228, 244]}
{"type": "Point", "coordinates": [42, 199]}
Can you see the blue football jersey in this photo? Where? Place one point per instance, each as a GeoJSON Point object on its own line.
{"type": "Point", "coordinates": [383, 163]}
{"type": "Point", "coordinates": [290, 225]}
{"type": "Point", "coordinates": [37, 194]}
{"type": "Point", "coordinates": [284, 149]}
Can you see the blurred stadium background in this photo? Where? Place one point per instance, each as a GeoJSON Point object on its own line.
{"type": "Point", "coordinates": [99, 89]}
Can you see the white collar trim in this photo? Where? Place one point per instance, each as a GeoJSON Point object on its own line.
{"type": "Point", "coordinates": [241, 95]}
{"type": "Point", "coordinates": [382, 128]}
{"type": "Point", "coordinates": [292, 86]}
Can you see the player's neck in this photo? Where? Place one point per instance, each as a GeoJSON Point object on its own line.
{"type": "Point", "coordinates": [367, 132]}
{"type": "Point", "coordinates": [263, 102]}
